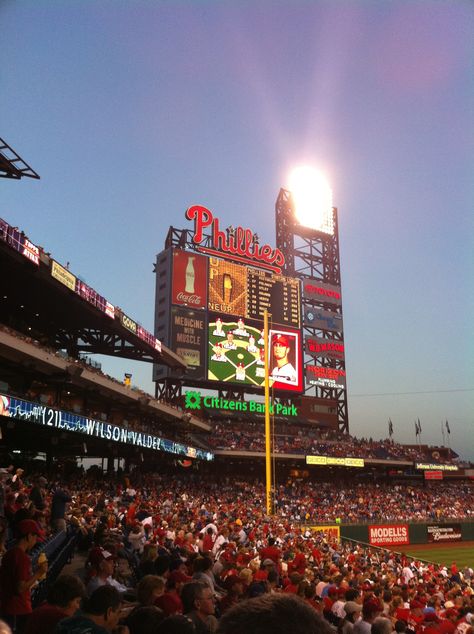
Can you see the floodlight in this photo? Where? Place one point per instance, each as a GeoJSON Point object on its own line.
{"type": "Point", "coordinates": [312, 199]}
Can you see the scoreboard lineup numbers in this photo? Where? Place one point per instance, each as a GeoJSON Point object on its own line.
{"type": "Point", "coordinates": [238, 290]}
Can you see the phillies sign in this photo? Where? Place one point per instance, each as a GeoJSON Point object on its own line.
{"type": "Point", "coordinates": [238, 243]}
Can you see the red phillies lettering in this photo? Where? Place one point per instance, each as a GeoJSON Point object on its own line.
{"type": "Point", "coordinates": [239, 242]}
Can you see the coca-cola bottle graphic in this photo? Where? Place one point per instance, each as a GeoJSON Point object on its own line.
{"type": "Point", "coordinates": [189, 275]}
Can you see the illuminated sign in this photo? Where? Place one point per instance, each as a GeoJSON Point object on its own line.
{"type": "Point", "coordinates": [189, 279]}
{"type": "Point", "coordinates": [335, 461]}
{"type": "Point", "coordinates": [322, 319]}
{"type": "Point", "coordinates": [436, 467]}
{"type": "Point", "coordinates": [444, 533]}
{"type": "Point", "coordinates": [67, 421]}
{"type": "Point", "coordinates": [327, 348]}
{"type": "Point", "coordinates": [188, 339]}
{"type": "Point", "coordinates": [128, 323]}
{"type": "Point", "coordinates": [326, 377]}
{"type": "Point", "coordinates": [63, 275]}
{"type": "Point", "coordinates": [30, 251]}
{"type": "Point", "coordinates": [227, 287]}
{"type": "Point", "coordinates": [247, 292]}
{"type": "Point", "coordinates": [234, 243]}
{"type": "Point", "coordinates": [388, 535]}
{"type": "Point", "coordinates": [91, 296]}
{"type": "Point", "coordinates": [236, 355]}
{"type": "Point", "coordinates": [19, 242]}
{"type": "Point", "coordinates": [196, 400]}
{"type": "Point", "coordinates": [321, 292]}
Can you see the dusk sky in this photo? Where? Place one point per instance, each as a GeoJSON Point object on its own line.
{"type": "Point", "coordinates": [133, 111]}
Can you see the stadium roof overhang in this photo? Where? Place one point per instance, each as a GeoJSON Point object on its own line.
{"type": "Point", "coordinates": [35, 303]}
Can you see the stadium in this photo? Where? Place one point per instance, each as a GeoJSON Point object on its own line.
{"type": "Point", "coordinates": [239, 476]}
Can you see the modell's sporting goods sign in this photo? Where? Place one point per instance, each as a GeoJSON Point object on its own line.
{"type": "Point", "coordinates": [388, 535]}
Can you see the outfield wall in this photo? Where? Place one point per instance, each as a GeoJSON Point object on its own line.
{"type": "Point", "coordinates": [397, 534]}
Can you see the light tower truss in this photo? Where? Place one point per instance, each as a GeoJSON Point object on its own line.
{"type": "Point", "coordinates": [314, 255]}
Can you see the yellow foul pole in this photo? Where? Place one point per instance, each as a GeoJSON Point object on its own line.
{"type": "Point", "coordinates": [268, 456]}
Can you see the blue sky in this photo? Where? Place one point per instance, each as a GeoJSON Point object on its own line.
{"type": "Point", "coordinates": [132, 111]}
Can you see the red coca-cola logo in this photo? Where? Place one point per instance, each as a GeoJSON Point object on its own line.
{"type": "Point", "coordinates": [188, 299]}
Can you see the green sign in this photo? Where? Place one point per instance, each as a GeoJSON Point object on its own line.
{"type": "Point", "coordinates": [195, 400]}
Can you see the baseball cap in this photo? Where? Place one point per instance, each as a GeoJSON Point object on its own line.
{"type": "Point", "coordinates": [30, 527]}
{"type": "Point", "coordinates": [280, 339]}
{"type": "Point", "coordinates": [97, 555]}
{"type": "Point", "coordinates": [268, 562]}
{"type": "Point", "coordinates": [351, 606]}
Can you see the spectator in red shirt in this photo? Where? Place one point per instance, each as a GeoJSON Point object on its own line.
{"type": "Point", "coordinates": [64, 599]}
{"type": "Point", "coordinates": [17, 578]}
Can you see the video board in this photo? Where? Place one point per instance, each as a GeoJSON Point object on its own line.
{"type": "Point", "coordinates": [216, 310]}
{"type": "Point", "coordinates": [236, 354]}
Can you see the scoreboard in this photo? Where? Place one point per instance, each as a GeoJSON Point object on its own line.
{"type": "Point", "coordinates": [214, 310]}
{"type": "Point", "coordinates": [277, 294]}
{"type": "Point", "coordinates": [247, 292]}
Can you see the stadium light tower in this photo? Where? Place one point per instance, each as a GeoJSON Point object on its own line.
{"type": "Point", "coordinates": [307, 235]}
{"type": "Point", "coordinates": [312, 199]}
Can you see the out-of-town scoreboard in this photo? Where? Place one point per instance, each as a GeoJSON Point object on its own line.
{"type": "Point", "coordinates": [211, 294]}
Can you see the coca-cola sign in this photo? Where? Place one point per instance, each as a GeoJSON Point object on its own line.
{"type": "Point", "coordinates": [234, 243]}
{"type": "Point", "coordinates": [189, 279]}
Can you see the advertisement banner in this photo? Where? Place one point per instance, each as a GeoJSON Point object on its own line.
{"type": "Point", "coordinates": [335, 461]}
{"type": "Point", "coordinates": [321, 292]}
{"type": "Point", "coordinates": [63, 275]}
{"type": "Point", "coordinates": [424, 466]}
{"type": "Point", "coordinates": [188, 339]}
{"type": "Point", "coordinates": [326, 377]}
{"type": "Point", "coordinates": [322, 319]}
{"type": "Point", "coordinates": [326, 348]}
{"type": "Point", "coordinates": [445, 533]}
{"type": "Point", "coordinates": [36, 414]}
{"type": "Point", "coordinates": [189, 279]}
{"type": "Point", "coordinates": [388, 535]}
{"type": "Point", "coordinates": [433, 475]}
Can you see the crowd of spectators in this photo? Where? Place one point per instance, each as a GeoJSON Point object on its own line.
{"type": "Point", "coordinates": [163, 551]}
{"type": "Point", "coordinates": [300, 439]}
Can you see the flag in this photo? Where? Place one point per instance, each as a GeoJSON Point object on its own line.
{"type": "Point", "coordinates": [390, 427]}
{"type": "Point", "coordinates": [419, 426]}
{"type": "Point", "coordinates": [447, 427]}
{"type": "Point", "coordinates": [417, 431]}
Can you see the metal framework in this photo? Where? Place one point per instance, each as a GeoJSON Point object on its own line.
{"type": "Point", "coordinates": [12, 165]}
{"type": "Point", "coordinates": [310, 254]}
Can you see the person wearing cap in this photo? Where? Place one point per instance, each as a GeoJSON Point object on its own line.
{"type": "Point", "coordinates": [283, 370]}
{"type": "Point", "coordinates": [371, 609]}
{"type": "Point", "coordinates": [240, 330]}
{"type": "Point", "coordinates": [17, 578]}
{"type": "Point", "coordinates": [218, 332]}
{"type": "Point", "coordinates": [104, 562]}
{"type": "Point", "coordinates": [352, 612]}
{"type": "Point", "coordinates": [219, 354]}
{"type": "Point", "coordinates": [229, 344]}
{"type": "Point", "coordinates": [251, 347]}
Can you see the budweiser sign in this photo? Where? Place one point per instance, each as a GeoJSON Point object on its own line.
{"type": "Point", "coordinates": [237, 243]}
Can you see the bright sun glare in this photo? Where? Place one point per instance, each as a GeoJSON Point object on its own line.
{"type": "Point", "coordinates": [312, 198]}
